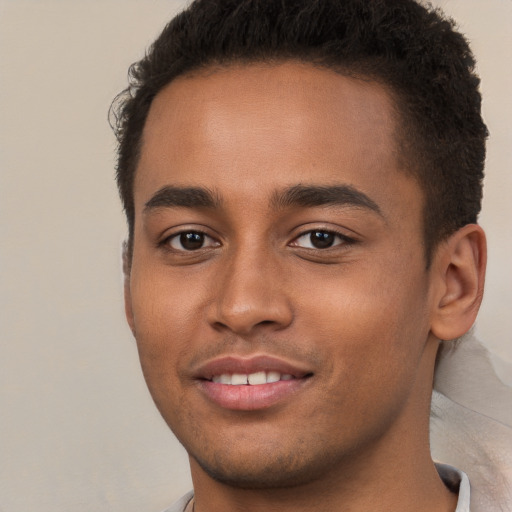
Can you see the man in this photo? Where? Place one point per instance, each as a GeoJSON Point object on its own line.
{"type": "Point", "coordinates": [302, 182]}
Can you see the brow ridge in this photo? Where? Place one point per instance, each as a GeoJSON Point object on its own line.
{"type": "Point", "coordinates": [323, 195]}
{"type": "Point", "coordinates": [306, 196]}
{"type": "Point", "coordinates": [172, 196]}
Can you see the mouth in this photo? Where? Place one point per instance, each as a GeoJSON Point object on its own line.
{"type": "Point", "coordinates": [251, 379]}
{"type": "Point", "coordinates": [251, 384]}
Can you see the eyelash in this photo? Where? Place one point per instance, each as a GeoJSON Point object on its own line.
{"type": "Point", "coordinates": [166, 243]}
{"type": "Point", "coordinates": [342, 240]}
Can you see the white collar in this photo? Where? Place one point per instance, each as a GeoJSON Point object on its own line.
{"type": "Point", "coordinates": [471, 422]}
{"type": "Point", "coordinates": [457, 481]}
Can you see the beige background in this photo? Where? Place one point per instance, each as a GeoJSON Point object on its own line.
{"type": "Point", "coordinates": [78, 430]}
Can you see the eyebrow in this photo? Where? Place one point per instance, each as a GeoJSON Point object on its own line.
{"type": "Point", "coordinates": [306, 196]}
{"type": "Point", "coordinates": [184, 197]}
{"type": "Point", "coordinates": [324, 195]}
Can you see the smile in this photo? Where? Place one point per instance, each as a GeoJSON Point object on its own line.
{"type": "Point", "coordinates": [251, 379]}
{"type": "Point", "coordinates": [249, 384]}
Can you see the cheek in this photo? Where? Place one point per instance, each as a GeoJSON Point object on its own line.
{"type": "Point", "coordinates": [376, 317]}
{"type": "Point", "coordinates": [371, 333]}
{"type": "Point", "coordinates": [159, 318]}
{"type": "Point", "coordinates": [163, 307]}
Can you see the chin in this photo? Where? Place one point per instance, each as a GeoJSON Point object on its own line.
{"type": "Point", "coordinates": [276, 471]}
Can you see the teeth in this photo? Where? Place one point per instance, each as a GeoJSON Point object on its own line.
{"type": "Point", "coordinates": [253, 379]}
{"type": "Point", "coordinates": [225, 378]}
{"type": "Point", "coordinates": [273, 376]}
{"type": "Point", "coordinates": [238, 379]}
{"type": "Point", "coordinates": [257, 378]}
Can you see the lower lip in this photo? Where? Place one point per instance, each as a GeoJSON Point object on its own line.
{"type": "Point", "coordinates": [250, 398]}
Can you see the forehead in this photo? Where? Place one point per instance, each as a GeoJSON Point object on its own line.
{"type": "Point", "coordinates": [261, 126]}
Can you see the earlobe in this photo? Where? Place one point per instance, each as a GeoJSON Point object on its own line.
{"type": "Point", "coordinates": [127, 292]}
{"type": "Point", "coordinates": [460, 273]}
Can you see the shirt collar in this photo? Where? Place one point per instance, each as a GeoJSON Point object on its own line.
{"type": "Point", "coordinates": [458, 482]}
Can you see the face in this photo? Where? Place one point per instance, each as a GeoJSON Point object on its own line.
{"type": "Point", "coordinates": [278, 291]}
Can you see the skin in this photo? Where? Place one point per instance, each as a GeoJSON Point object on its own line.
{"type": "Point", "coordinates": [362, 317]}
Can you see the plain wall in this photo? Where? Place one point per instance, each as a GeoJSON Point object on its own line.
{"type": "Point", "coordinates": [78, 430]}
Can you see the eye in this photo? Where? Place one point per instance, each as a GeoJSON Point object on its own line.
{"type": "Point", "coordinates": [319, 239]}
{"type": "Point", "coordinates": [190, 241]}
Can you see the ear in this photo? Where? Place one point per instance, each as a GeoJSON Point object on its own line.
{"type": "Point", "coordinates": [459, 267]}
{"type": "Point", "coordinates": [127, 264]}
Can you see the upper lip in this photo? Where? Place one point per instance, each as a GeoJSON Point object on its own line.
{"type": "Point", "coordinates": [248, 365]}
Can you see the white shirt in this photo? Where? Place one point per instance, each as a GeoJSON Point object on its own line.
{"type": "Point", "coordinates": [456, 481]}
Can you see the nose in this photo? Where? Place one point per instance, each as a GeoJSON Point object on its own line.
{"type": "Point", "coordinates": [251, 295]}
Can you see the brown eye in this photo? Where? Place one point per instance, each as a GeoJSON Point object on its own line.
{"type": "Point", "coordinates": [190, 241]}
{"type": "Point", "coordinates": [320, 240]}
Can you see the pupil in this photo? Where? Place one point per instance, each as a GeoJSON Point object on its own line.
{"type": "Point", "coordinates": [321, 239]}
{"type": "Point", "coordinates": [191, 241]}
